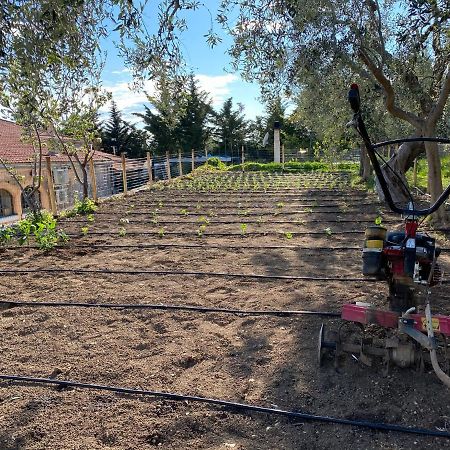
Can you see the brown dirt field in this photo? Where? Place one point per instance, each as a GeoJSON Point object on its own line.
{"type": "Point", "coordinates": [264, 361]}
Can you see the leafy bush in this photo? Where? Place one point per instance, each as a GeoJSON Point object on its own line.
{"type": "Point", "coordinates": [41, 227]}
{"type": "Point", "coordinates": [294, 166]}
{"type": "Point", "coordinates": [85, 206]}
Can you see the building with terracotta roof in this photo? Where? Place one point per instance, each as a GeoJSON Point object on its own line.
{"type": "Point", "coordinates": [20, 155]}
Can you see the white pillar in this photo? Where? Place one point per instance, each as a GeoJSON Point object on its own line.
{"type": "Point", "coordinates": [276, 143]}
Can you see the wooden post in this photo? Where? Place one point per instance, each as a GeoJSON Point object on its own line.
{"type": "Point", "coordinates": [93, 180]}
{"type": "Point", "coordinates": [180, 164]}
{"type": "Point", "coordinates": [124, 174]}
{"type": "Point", "coordinates": [193, 160]}
{"type": "Point", "coordinates": [169, 176]}
{"type": "Point", "coordinates": [242, 158]}
{"type": "Point", "coordinates": [149, 168]}
{"type": "Point", "coordinates": [51, 186]}
{"type": "Point", "coordinates": [282, 157]}
{"type": "Point", "coordinates": [415, 173]}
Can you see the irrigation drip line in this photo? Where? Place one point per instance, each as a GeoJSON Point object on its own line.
{"type": "Point", "coordinates": [296, 415]}
{"type": "Point", "coordinates": [184, 273]}
{"type": "Point", "coordinates": [202, 246]}
{"type": "Point", "coordinates": [206, 234]}
{"type": "Point", "coordinates": [227, 222]}
{"type": "Point", "coordinates": [269, 213]}
{"type": "Point", "coordinates": [250, 205]}
{"type": "Point", "coordinates": [162, 307]}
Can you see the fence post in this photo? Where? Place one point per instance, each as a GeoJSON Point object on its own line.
{"type": "Point", "coordinates": [51, 186]}
{"type": "Point", "coordinates": [415, 173]}
{"type": "Point", "coordinates": [193, 160]}
{"type": "Point", "coordinates": [93, 180]}
{"type": "Point", "coordinates": [180, 164]}
{"type": "Point", "coordinates": [282, 157]}
{"type": "Point", "coordinates": [242, 157]}
{"type": "Point", "coordinates": [169, 176]}
{"type": "Point", "coordinates": [149, 167]}
{"type": "Point", "coordinates": [124, 174]}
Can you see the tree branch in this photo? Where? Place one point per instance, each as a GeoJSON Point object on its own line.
{"type": "Point", "coordinates": [437, 109]}
{"type": "Point", "coordinates": [395, 110]}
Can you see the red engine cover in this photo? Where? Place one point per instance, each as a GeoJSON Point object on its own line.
{"type": "Point", "coordinates": [389, 319]}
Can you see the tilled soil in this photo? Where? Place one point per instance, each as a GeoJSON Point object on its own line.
{"type": "Point", "coordinates": [263, 360]}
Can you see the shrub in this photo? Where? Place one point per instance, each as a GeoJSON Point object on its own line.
{"type": "Point", "coordinates": [40, 226]}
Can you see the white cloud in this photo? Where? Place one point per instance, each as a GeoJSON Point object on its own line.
{"type": "Point", "coordinates": [128, 100]}
{"type": "Point", "coordinates": [218, 86]}
{"type": "Point", "coordinates": [119, 72]}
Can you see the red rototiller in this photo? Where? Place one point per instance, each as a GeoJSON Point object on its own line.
{"type": "Point", "coordinates": [407, 334]}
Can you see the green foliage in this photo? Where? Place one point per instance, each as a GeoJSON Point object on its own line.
{"type": "Point", "coordinates": [41, 227]}
{"type": "Point", "coordinates": [216, 163]}
{"type": "Point", "coordinates": [84, 207]}
{"type": "Point", "coordinates": [294, 166]}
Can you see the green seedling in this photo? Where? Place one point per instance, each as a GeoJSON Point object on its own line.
{"type": "Point", "coordinates": [328, 231]}
{"type": "Point", "coordinates": [161, 232]}
{"type": "Point", "coordinates": [85, 230]}
{"type": "Point", "coordinates": [243, 227]}
{"type": "Point", "coordinates": [288, 235]}
{"type": "Point", "coordinates": [124, 220]}
{"type": "Point", "coordinates": [160, 204]}
{"type": "Point", "coordinates": [184, 212]}
{"type": "Point", "coordinates": [280, 205]}
{"type": "Point", "coordinates": [90, 218]}
{"type": "Point", "coordinates": [122, 231]}
{"type": "Point", "coordinates": [201, 230]}
{"type": "Point", "coordinates": [203, 220]}
{"type": "Point", "coordinates": [308, 210]}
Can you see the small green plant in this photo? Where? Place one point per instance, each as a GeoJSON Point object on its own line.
{"type": "Point", "coordinates": [84, 230]}
{"type": "Point", "coordinates": [124, 220]}
{"type": "Point", "coordinates": [201, 230]}
{"type": "Point", "coordinates": [288, 235]}
{"type": "Point", "coordinates": [308, 210]}
{"type": "Point", "coordinates": [280, 205]}
{"type": "Point", "coordinates": [259, 220]}
{"type": "Point", "coordinates": [328, 231]}
{"type": "Point", "coordinates": [203, 220]}
{"type": "Point", "coordinates": [90, 218]}
{"type": "Point", "coordinates": [184, 212]}
{"type": "Point", "coordinates": [160, 204]}
{"type": "Point", "coordinates": [243, 227]}
{"type": "Point", "coordinates": [122, 231]}
{"type": "Point", "coordinates": [161, 232]}
{"type": "Point", "coordinates": [85, 206]}
{"type": "Point", "coordinates": [40, 226]}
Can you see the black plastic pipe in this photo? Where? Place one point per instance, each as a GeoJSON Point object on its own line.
{"type": "Point", "coordinates": [183, 308]}
{"type": "Point", "coordinates": [183, 273]}
{"type": "Point", "coordinates": [294, 415]}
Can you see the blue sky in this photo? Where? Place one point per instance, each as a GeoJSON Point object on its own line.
{"type": "Point", "coordinates": [210, 66]}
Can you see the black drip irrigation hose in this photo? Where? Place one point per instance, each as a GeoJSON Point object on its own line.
{"type": "Point", "coordinates": [206, 247]}
{"type": "Point", "coordinates": [196, 246]}
{"type": "Point", "coordinates": [293, 415]}
{"type": "Point", "coordinates": [184, 273]}
{"type": "Point", "coordinates": [206, 234]}
{"type": "Point", "coordinates": [183, 308]}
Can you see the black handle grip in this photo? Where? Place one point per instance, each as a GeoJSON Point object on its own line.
{"type": "Point", "coordinates": [353, 98]}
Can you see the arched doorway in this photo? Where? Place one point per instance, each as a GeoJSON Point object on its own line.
{"type": "Point", "coordinates": [6, 203]}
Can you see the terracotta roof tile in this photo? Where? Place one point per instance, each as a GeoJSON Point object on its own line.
{"type": "Point", "coordinates": [14, 151]}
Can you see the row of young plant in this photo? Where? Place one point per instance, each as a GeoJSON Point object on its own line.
{"type": "Point", "coordinates": [218, 181]}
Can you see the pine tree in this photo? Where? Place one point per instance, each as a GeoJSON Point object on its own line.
{"type": "Point", "coordinates": [193, 131]}
{"type": "Point", "coordinates": [116, 132]}
{"type": "Point", "coordinates": [230, 128]}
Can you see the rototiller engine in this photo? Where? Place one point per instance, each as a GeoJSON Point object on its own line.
{"type": "Point", "coordinates": [407, 334]}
